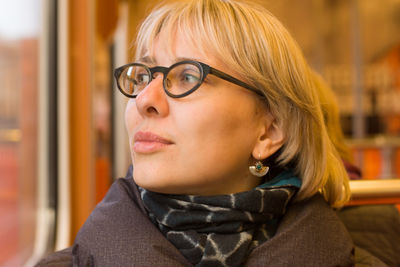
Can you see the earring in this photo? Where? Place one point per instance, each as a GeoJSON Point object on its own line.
{"type": "Point", "coordinates": [258, 169]}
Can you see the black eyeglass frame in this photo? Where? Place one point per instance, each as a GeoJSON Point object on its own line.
{"type": "Point", "coordinates": [204, 68]}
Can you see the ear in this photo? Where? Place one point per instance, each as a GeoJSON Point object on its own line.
{"type": "Point", "coordinates": [269, 140]}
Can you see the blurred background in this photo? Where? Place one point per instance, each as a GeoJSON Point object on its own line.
{"type": "Point", "coordinates": [62, 138]}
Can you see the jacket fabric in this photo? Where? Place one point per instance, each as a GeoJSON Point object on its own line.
{"type": "Point", "coordinates": [119, 233]}
{"type": "Point", "coordinates": [376, 229]}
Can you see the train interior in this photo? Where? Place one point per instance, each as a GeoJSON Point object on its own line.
{"type": "Point", "coordinates": [62, 134]}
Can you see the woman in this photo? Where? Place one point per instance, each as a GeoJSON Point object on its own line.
{"type": "Point", "coordinates": [232, 163]}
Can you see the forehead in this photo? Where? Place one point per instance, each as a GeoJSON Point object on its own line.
{"type": "Point", "coordinates": [168, 48]}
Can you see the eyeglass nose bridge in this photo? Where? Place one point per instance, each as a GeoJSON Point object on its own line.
{"type": "Point", "coordinates": [158, 69]}
{"type": "Point", "coordinates": [165, 71]}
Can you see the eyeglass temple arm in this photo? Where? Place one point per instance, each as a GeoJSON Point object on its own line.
{"type": "Point", "coordinates": [231, 79]}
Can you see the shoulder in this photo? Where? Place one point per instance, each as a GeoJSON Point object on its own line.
{"type": "Point", "coordinates": [62, 258]}
{"type": "Point", "coordinates": [375, 228]}
{"type": "Point", "coordinates": [118, 232]}
{"type": "Point", "coordinates": [310, 234]}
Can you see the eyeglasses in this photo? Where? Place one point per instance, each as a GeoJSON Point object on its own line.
{"type": "Point", "coordinates": [179, 80]}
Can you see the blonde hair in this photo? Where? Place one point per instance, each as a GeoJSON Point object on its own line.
{"type": "Point", "coordinates": [256, 46]}
{"type": "Point", "coordinates": [330, 111]}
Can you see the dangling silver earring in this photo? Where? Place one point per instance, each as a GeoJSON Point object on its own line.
{"type": "Point", "coordinates": [258, 169]}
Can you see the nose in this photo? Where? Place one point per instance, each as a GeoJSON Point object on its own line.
{"type": "Point", "coordinates": [152, 101]}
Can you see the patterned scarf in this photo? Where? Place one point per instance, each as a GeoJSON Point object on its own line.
{"type": "Point", "coordinates": [221, 230]}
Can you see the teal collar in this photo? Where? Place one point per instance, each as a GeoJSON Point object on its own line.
{"type": "Point", "coordinates": [285, 178]}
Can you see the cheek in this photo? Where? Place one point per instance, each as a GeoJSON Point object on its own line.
{"type": "Point", "coordinates": [222, 124]}
{"type": "Point", "coordinates": [131, 116]}
{"type": "Point", "coordinates": [235, 115]}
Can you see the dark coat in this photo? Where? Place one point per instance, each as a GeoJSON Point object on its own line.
{"type": "Point", "coordinates": [376, 229]}
{"type": "Point", "coordinates": [119, 233]}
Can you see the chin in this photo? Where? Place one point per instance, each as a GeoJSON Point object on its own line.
{"type": "Point", "coordinates": [164, 188]}
{"type": "Point", "coordinates": [154, 183]}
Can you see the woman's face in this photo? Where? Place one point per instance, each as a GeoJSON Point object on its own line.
{"type": "Point", "coordinates": [200, 144]}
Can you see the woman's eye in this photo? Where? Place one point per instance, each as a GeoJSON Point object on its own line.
{"type": "Point", "coordinates": [190, 77]}
{"type": "Point", "coordinates": [142, 78]}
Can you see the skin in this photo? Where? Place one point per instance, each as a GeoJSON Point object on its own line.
{"type": "Point", "coordinates": [209, 138]}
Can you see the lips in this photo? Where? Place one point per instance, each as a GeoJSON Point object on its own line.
{"type": "Point", "coordinates": [148, 142]}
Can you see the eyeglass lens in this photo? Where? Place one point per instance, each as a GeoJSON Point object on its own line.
{"type": "Point", "coordinates": [180, 79]}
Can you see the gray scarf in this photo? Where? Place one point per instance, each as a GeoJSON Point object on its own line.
{"type": "Point", "coordinates": [221, 230]}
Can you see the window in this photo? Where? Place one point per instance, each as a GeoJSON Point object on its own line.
{"type": "Point", "coordinates": [25, 135]}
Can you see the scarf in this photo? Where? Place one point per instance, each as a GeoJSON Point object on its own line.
{"type": "Point", "coordinates": [221, 230]}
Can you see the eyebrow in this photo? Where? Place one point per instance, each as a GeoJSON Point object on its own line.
{"type": "Point", "coordinates": [152, 60]}
{"type": "Point", "coordinates": [147, 59]}
{"type": "Point", "coordinates": [179, 59]}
